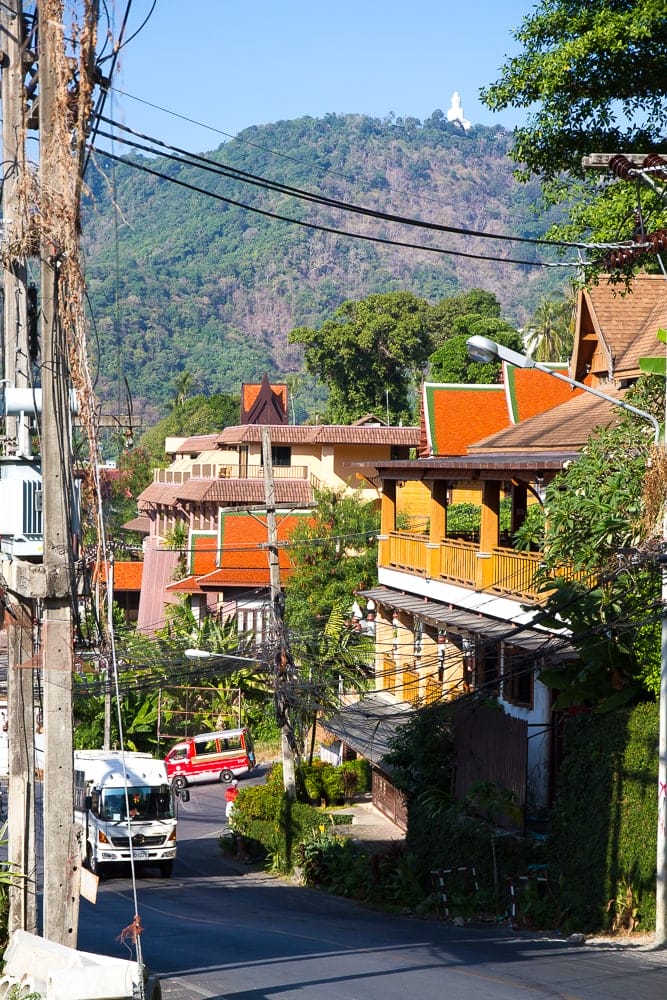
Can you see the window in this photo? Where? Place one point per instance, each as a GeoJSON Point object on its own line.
{"type": "Point", "coordinates": [487, 668]}
{"type": "Point", "coordinates": [281, 455]}
{"type": "Point", "coordinates": [517, 677]}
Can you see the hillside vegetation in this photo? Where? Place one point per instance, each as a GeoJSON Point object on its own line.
{"type": "Point", "coordinates": [180, 282]}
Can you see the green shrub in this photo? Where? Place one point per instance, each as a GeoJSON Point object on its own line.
{"type": "Point", "coordinates": [602, 844]}
{"type": "Point", "coordinates": [333, 785]}
{"type": "Point", "coordinates": [356, 776]}
{"type": "Point", "coordinates": [265, 817]}
{"type": "Point", "coordinates": [310, 781]}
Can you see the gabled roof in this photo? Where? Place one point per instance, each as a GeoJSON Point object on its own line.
{"type": "Point", "coordinates": [263, 403]}
{"type": "Point", "coordinates": [623, 323]}
{"type": "Point", "coordinates": [457, 415]}
{"type": "Point", "coordinates": [563, 428]}
{"type": "Point", "coordinates": [241, 555]}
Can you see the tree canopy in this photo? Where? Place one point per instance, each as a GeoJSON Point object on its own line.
{"type": "Point", "coordinates": [443, 316]}
{"type": "Point", "coordinates": [452, 363]}
{"type": "Point", "coordinates": [189, 416]}
{"type": "Point", "coordinates": [591, 73]}
{"type": "Point", "coordinates": [550, 333]}
{"type": "Point", "coordinates": [370, 354]}
{"type": "Point", "coordinates": [333, 554]}
{"type": "Point", "coordinates": [602, 519]}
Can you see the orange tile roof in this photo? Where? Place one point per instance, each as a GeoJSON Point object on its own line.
{"type": "Point", "coordinates": [202, 559]}
{"type": "Point", "coordinates": [456, 415]}
{"type": "Point", "coordinates": [531, 392]}
{"type": "Point", "coordinates": [243, 557]}
{"type": "Point", "coordinates": [126, 575]}
{"type": "Point", "coordinates": [565, 427]}
{"type": "Point", "coordinates": [251, 390]}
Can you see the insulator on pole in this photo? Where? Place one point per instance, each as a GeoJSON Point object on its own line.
{"type": "Point", "coordinates": [622, 167]}
{"type": "Point", "coordinates": [654, 160]}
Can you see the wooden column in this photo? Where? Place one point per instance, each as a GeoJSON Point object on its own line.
{"type": "Point", "coordinates": [387, 521]}
{"type": "Point", "coordinates": [437, 525]}
{"type": "Point", "coordinates": [488, 532]}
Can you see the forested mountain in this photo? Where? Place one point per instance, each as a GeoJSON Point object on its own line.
{"type": "Point", "coordinates": [180, 282]}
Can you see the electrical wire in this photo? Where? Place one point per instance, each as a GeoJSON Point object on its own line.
{"type": "Point", "coordinates": [184, 158]}
{"type": "Point", "coordinates": [332, 230]}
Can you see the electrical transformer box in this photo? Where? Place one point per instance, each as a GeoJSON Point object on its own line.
{"type": "Point", "coordinates": [21, 522]}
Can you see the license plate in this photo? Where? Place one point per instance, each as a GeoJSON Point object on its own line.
{"type": "Point", "coordinates": [140, 855]}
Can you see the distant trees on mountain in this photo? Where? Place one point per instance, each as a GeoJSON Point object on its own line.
{"type": "Point", "coordinates": [180, 283]}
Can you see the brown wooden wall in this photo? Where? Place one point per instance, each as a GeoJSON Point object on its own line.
{"type": "Point", "coordinates": [389, 800]}
{"type": "Point", "coordinates": [490, 746]}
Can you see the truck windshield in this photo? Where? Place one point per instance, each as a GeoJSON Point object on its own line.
{"type": "Point", "coordinates": [145, 803]}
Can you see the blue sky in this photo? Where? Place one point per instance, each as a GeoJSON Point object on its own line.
{"type": "Point", "coordinates": [230, 65]}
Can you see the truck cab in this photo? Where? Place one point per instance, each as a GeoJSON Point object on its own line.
{"type": "Point", "coordinates": [125, 805]}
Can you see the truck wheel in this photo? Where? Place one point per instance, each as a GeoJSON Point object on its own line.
{"type": "Point", "coordinates": [179, 783]}
{"type": "Point", "coordinates": [153, 990]}
{"type": "Point", "coordinates": [92, 864]}
{"type": "Point", "coordinates": [226, 775]}
{"type": "Point", "coordinates": [166, 869]}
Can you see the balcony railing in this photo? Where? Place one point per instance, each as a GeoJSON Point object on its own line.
{"type": "Point", "coordinates": [501, 570]}
{"type": "Point", "coordinates": [227, 470]}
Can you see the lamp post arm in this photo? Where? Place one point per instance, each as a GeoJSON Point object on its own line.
{"type": "Point", "coordinates": [602, 395]}
{"type": "Point", "coordinates": [483, 349]}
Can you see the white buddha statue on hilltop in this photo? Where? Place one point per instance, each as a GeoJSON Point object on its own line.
{"type": "Point", "coordinates": [455, 113]}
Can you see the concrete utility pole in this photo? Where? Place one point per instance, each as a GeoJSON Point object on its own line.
{"type": "Point", "coordinates": [282, 666]}
{"type": "Point", "coordinates": [20, 688]}
{"type": "Point", "coordinates": [60, 901]}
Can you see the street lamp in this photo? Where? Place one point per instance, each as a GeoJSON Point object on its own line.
{"type": "Point", "coordinates": [206, 654]}
{"type": "Point", "coordinates": [485, 350]}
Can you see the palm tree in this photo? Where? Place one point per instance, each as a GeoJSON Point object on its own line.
{"type": "Point", "coordinates": [550, 332]}
{"type": "Point", "coordinates": [329, 662]}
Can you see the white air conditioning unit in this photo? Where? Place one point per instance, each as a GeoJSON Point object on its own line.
{"type": "Point", "coordinates": [21, 520]}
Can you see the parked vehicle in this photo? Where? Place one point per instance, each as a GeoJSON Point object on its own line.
{"type": "Point", "coordinates": [219, 756]}
{"type": "Point", "coordinates": [125, 805]}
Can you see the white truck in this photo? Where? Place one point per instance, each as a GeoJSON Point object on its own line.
{"type": "Point", "coordinates": [125, 805]}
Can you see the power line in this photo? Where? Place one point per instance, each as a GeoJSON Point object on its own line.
{"type": "Point", "coordinates": [186, 158]}
{"type": "Point", "coordinates": [332, 230]}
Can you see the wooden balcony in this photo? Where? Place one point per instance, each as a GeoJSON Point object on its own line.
{"type": "Point", "coordinates": [501, 571]}
{"type": "Point", "coordinates": [210, 470]}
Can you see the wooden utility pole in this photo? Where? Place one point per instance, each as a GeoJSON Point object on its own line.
{"type": "Point", "coordinates": [60, 902]}
{"type": "Point", "coordinates": [282, 666]}
{"type": "Point", "coordinates": [20, 698]}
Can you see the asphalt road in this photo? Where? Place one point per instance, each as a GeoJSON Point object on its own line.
{"type": "Point", "coordinates": [218, 929]}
